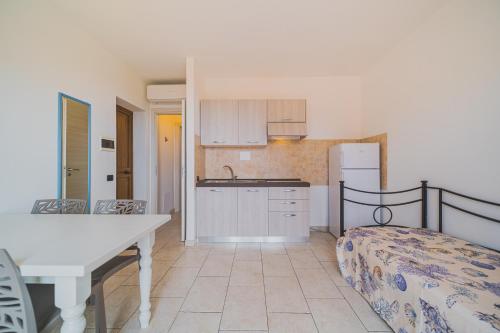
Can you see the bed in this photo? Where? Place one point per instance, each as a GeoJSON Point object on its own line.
{"type": "Point", "coordinates": [419, 280]}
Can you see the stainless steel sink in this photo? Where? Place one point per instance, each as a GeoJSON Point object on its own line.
{"type": "Point", "coordinates": [218, 181]}
{"type": "Point", "coordinates": [225, 181]}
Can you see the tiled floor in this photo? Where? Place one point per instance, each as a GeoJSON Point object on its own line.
{"type": "Point", "coordinates": [243, 287]}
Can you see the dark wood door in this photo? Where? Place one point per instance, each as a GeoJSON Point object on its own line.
{"type": "Point", "coordinates": [124, 154]}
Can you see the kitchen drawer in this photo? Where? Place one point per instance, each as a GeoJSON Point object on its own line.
{"type": "Point", "coordinates": [288, 205]}
{"type": "Point", "coordinates": [289, 224]}
{"type": "Point", "coordinates": [289, 193]}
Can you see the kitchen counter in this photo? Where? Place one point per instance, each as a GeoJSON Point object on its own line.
{"type": "Point", "coordinates": [285, 182]}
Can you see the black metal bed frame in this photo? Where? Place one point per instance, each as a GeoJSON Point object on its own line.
{"type": "Point", "coordinates": [423, 199]}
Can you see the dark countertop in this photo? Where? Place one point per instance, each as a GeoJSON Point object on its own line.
{"type": "Point", "coordinates": [285, 182]}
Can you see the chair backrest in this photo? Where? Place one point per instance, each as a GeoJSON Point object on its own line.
{"type": "Point", "coordinates": [16, 310]}
{"type": "Point", "coordinates": [120, 207]}
{"type": "Point", "coordinates": [59, 206]}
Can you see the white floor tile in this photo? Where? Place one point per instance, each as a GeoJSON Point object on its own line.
{"type": "Point", "coordinates": [176, 283]}
{"type": "Point", "coordinates": [291, 323]}
{"type": "Point", "coordinates": [316, 283]}
{"type": "Point", "coordinates": [334, 315]}
{"type": "Point", "coordinates": [217, 265]}
{"type": "Point", "coordinates": [188, 322]}
{"type": "Point", "coordinates": [246, 273]}
{"type": "Point", "coordinates": [368, 317]}
{"type": "Point", "coordinates": [277, 265]}
{"type": "Point", "coordinates": [245, 309]}
{"type": "Point", "coordinates": [283, 294]}
{"type": "Point", "coordinates": [206, 295]}
{"type": "Point", "coordinates": [163, 313]}
{"type": "Point", "coordinates": [332, 268]}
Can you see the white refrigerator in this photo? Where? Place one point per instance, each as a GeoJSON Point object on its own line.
{"type": "Point", "coordinates": [358, 165]}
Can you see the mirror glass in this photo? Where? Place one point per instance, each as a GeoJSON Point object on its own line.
{"type": "Point", "coordinates": [74, 152]}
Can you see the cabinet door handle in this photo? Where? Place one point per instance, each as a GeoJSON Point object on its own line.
{"type": "Point", "coordinates": [286, 119]}
{"type": "Point", "coordinates": [216, 190]}
{"type": "Point", "coordinates": [289, 215]}
{"type": "Point", "coordinates": [288, 202]}
{"type": "Point", "coordinates": [219, 141]}
{"type": "Point", "coordinates": [289, 190]}
{"type": "Point", "coordinates": [252, 190]}
{"type": "Point", "coordinates": [252, 141]}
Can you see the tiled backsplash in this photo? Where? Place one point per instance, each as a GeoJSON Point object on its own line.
{"type": "Point", "coordinates": [305, 159]}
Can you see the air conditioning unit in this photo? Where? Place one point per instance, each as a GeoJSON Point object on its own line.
{"type": "Point", "coordinates": [165, 92]}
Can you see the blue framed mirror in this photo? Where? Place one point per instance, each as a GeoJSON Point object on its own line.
{"type": "Point", "coordinates": [74, 149]}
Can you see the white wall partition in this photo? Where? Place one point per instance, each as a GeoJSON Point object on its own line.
{"type": "Point", "coordinates": [44, 53]}
{"type": "Point", "coordinates": [437, 95]}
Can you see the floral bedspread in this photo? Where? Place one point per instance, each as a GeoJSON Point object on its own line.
{"type": "Point", "coordinates": [420, 280]}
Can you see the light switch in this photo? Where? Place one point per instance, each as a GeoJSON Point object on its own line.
{"type": "Point", "coordinates": [245, 156]}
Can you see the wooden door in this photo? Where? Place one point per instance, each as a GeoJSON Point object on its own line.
{"type": "Point", "coordinates": [75, 149]}
{"type": "Point", "coordinates": [286, 111]}
{"type": "Point", "coordinates": [219, 123]}
{"type": "Point", "coordinates": [252, 119]}
{"type": "Point", "coordinates": [124, 154]}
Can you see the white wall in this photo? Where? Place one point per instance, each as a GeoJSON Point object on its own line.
{"type": "Point", "coordinates": [43, 53]}
{"type": "Point", "coordinates": [437, 94]}
{"type": "Point", "coordinates": [333, 103]}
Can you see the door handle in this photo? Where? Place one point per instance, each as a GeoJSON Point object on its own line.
{"type": "Point", "coordinates": [252, 190]}
{"type": "Point", "coordinates": [216, 191]}
{"type": "Point", "coordinates": [288, 203]}
{"type": "Point", "coordinates": [286, 119]}
{"type": "Point", "coordinates": [72, 169]}
{"type": "Point", "coordinates": [292, 190]}
{"type": "Point", "coordinates": [252, 141]}
{"type": "Point", "coordinates": [289, 215]}
{"type": "Point", "coordinates": [219, 141]}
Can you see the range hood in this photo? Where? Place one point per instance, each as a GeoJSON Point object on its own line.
{"type": "Point", "coordinates": [286, 131]}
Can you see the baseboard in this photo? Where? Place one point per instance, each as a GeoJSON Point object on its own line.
{"type": "Point", "coordinates": [319, 228]}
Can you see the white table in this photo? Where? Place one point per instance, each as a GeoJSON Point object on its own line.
{"type": "Point", "coordinates": [65, 249]}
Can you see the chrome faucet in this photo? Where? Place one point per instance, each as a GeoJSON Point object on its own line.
{"type": "Point", "coordinates": [233, 177]}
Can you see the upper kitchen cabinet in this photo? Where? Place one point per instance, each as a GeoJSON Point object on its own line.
{"type": "Point", "coordinates": [219, 122]}
{"type": "Point", "coordinates": [286, 111]}
{"type": "Point", "coordinates": [252, 120]}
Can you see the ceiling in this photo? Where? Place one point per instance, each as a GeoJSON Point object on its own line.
{"type": "Point", "coordinates": [249, 37]}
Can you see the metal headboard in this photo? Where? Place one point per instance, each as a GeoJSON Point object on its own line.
{"type": "Point", "coordinates": [423, 199]}
{"type": "Point", "coordinates": [443, 203]}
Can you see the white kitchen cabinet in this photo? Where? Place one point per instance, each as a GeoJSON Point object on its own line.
{"type": "Point", "coordinates": [289, 224]}
{"type": "Point", "coordinates": [217, 209]}
{"type": "Point", "coordinates": [289, 193]}
{"type": "Point", "coordinates": [252, 120]}
{"type": "Point", "coordinates": [253, 211]}
{"type": "Point", "coordinates": [219, 122]}
{"type": "Point", "coordinates": [286, 111]}
{"type": "Point", "coordinates": [288, 205]}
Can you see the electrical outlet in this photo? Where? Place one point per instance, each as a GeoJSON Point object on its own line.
{"type": "Point", "coordinates": [245, 156]}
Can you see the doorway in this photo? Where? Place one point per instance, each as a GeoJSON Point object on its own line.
{"type": "Point", "coordinates": [168, 160]}
{"type": "Point", "coordinates": [74, 152]}
{"type": "Point", "coordinates": [169, 163]}
{"type": "Point", "coordinates": [124, 153]}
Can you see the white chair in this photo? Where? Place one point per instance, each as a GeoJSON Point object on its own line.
{"type": "Point", "coordinates": [16, 310]}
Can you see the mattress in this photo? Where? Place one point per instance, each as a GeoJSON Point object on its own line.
{"type": "Point", "coordinates": [419, 280]}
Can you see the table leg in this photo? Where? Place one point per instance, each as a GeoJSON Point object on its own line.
{"type": "Point", "coordinates": [145, 273]}
{"type": "Point", "coordinates": [70, 296]}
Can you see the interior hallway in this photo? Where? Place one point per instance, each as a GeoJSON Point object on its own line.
{"type": "Point", "coordinates": [248, 287]}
